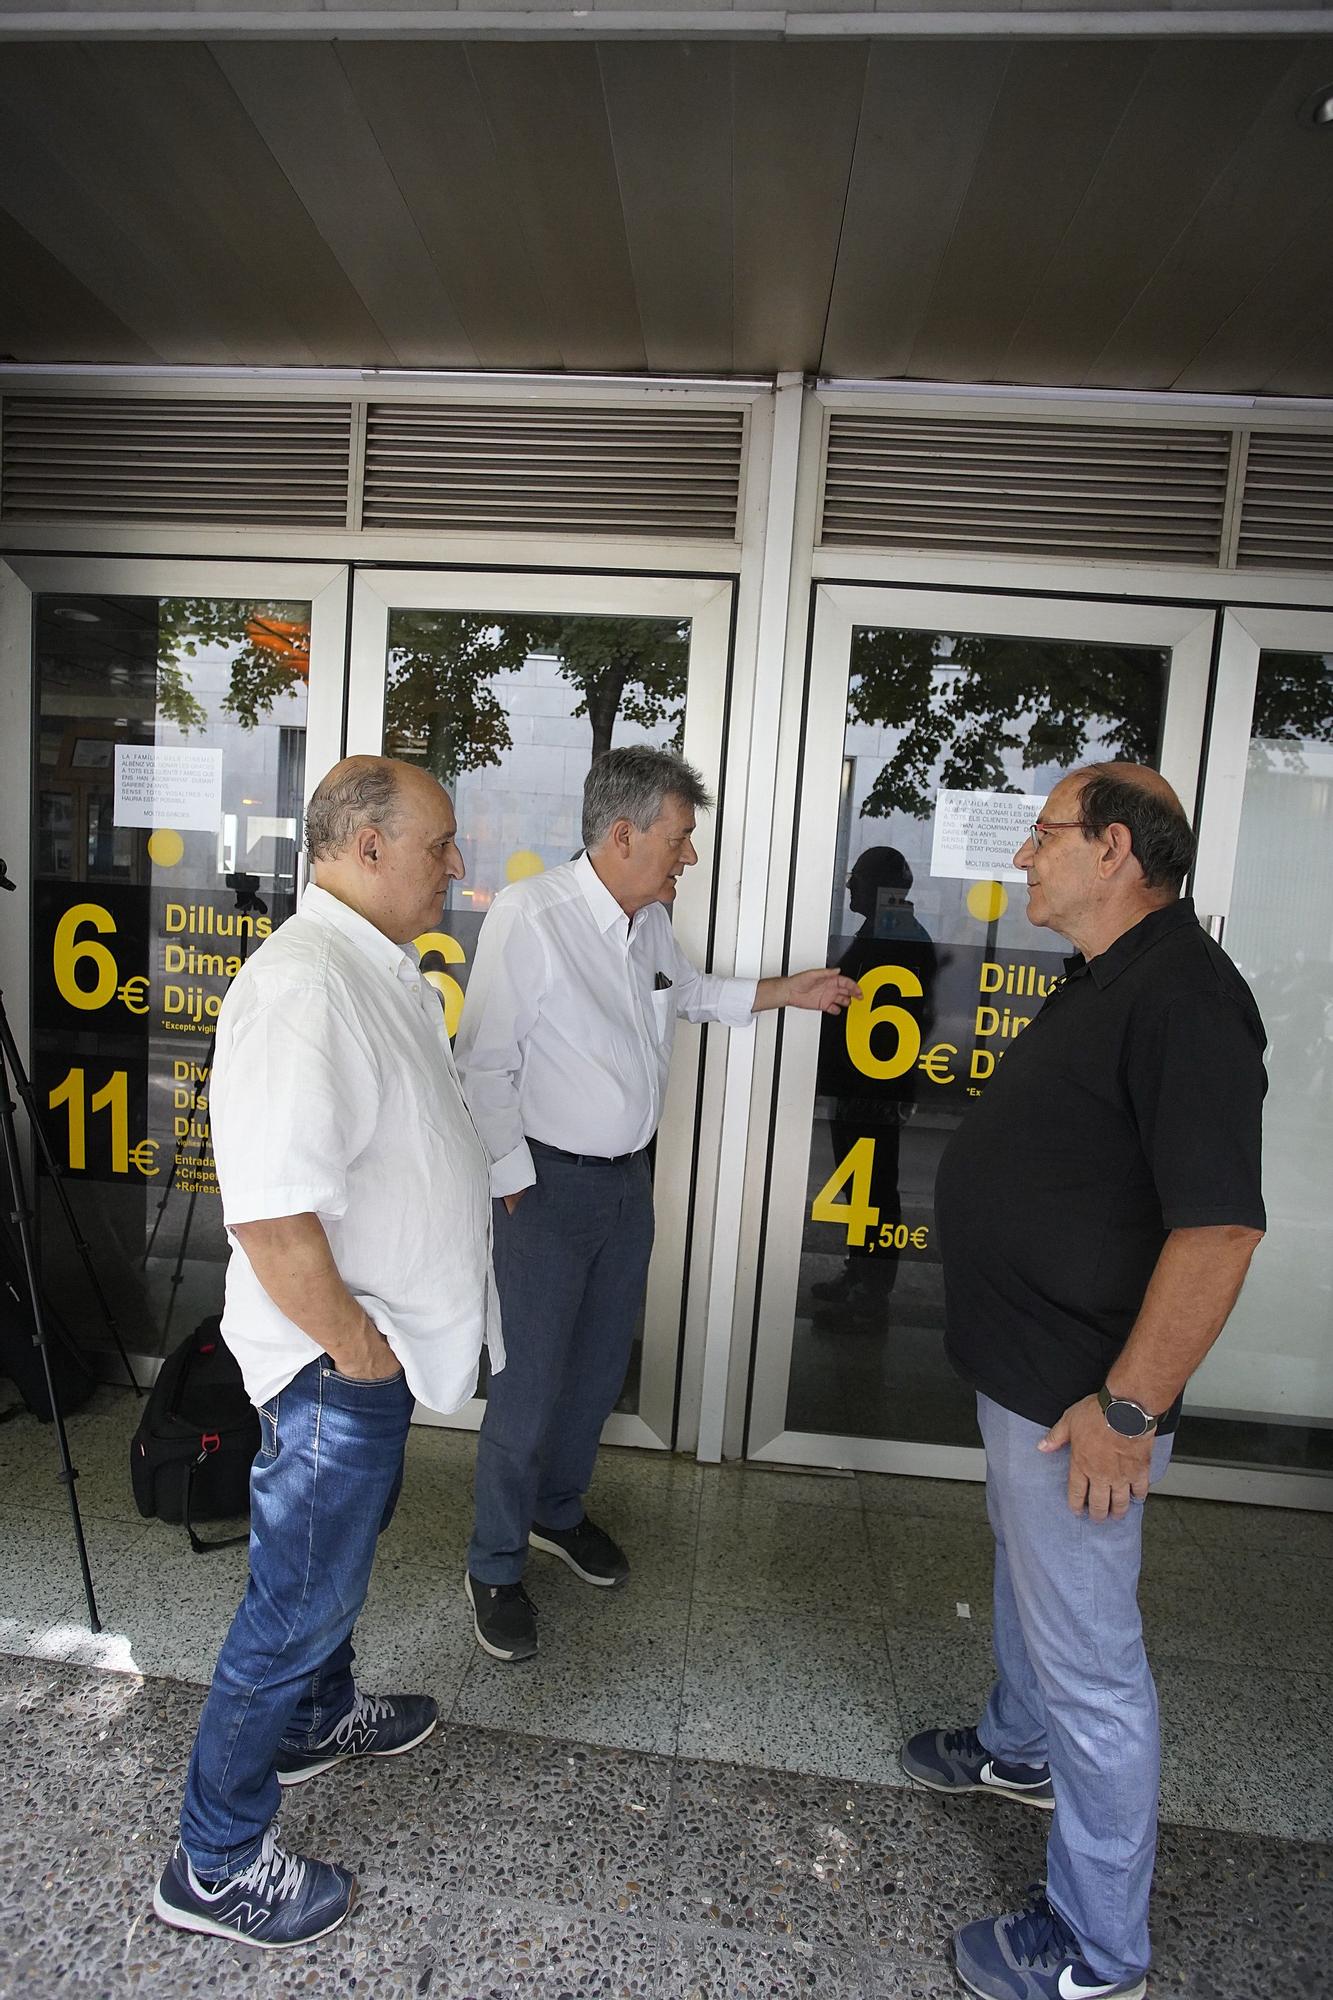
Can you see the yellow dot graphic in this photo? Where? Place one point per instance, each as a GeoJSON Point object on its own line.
{"type": "Point", "coordinates": [987, 901]}
{"type": "Point", "coordinates": [522, 863]}
{"type": "Point", "coordinates": [165, 846]}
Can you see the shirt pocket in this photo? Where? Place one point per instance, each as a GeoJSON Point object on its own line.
{"type": "Point", "coordinates": [664, 1015]}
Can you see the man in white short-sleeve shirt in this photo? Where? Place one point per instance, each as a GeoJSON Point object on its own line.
{"type": "Point", "coordinates": [564, 1050]}
{"type": "Point", "coordinates": [356, 1196]}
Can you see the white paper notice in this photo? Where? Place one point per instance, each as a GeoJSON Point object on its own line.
{"type": "Point", "coordinates": [977, 834]}
{"type": "Point", "coordinates": [176, 788]}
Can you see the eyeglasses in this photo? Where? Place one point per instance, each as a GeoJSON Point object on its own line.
{"type": "Point", "coordinates": [1041, 827]}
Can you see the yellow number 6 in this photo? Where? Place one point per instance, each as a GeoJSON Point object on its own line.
{"type": "Point", "coordinates": [68, 949]}
{"type": "Point", "coordinates": [863, 1017]}
{"type": "Point", "coordinates": [451, 951]}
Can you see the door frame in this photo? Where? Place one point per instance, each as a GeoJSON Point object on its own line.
{"type": "Point", "coordinates": [709, 604]}
{"type": "Point", "coordinates": [1188, 631]}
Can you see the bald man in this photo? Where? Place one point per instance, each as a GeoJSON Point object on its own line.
{"type": "Point", "coordinates": [1097, 1210]}
{"type": "Point", "coordinates": [343, 1146]}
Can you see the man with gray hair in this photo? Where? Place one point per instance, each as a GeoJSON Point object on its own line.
{"type": "Point", "coordinates": [355, 1194]}
{"type": "Point", "coordinates": [563, 1050]}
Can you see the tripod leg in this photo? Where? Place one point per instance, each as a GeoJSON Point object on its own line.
{"type": "Point", "coordinates": [9, 1053]}
{"type": "Point", "coordinates": [23, 1218]}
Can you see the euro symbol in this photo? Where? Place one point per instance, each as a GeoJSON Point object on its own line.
{"type": "Point", "coordinates": [935, 1062]}
{"type": "Point", "coordinates": [135, 994]}
{"type": "Point", "coordinates": [144, 1157]}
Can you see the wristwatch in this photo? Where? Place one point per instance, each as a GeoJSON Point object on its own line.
{"type": "Point", "coordinates": [1127, 1419]}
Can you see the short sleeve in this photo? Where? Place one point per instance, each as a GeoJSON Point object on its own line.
{"type": "Point", "coordinates": [293, 1103]}
{"type": "Point", "coordinates": [1196, 1083]}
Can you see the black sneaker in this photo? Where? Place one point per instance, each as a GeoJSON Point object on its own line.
{"type": "Point", "coordinates": [504, 1618]}
{"type": "Point", "coordinates": [588, 1550]}
{"type": "Point", "coordinates": [956, 1760]}
{"type": "Point", "coordinates": [280, 1900]}
{"type": "Point", "coordinates": [382, 1727]}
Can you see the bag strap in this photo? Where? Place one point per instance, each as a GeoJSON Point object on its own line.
{"type": "Point", "coordinates": [201, 1547]}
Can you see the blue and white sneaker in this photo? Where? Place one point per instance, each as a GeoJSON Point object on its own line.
{"type": "Point", "coordinates": [956, 1760]}
{"type": "Point", "coordinates": [1032, 1955]}
{"type": "Point", "coordinates": [280, 1900]}
{"type": "Point", "coordinates": [383, 1727]}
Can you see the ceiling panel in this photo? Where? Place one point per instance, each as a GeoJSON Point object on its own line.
{"type": "Point", "coordinates": [672, 102]}
{"type": "Point", "coordinates": [548, 116]}
{"type": "Point", "coordinates": [1179, 131]}
{"type": "Point", "coordinates": [1278, 316]}
{"type": "Point", "coordinates": [1273, 188]}
{"type": "Point", "coordinates": [45, 310]}
{"type": "Point", "coordinates": [299, 98]}
{"type": "Point", "coordinates": [422, 103]}
{"type": "Point", "coordinates": [796, 112]}
{"type": "Point", "coordinates": [1059, 105]}
{"type": "Point", "coordinates": [912, 170]}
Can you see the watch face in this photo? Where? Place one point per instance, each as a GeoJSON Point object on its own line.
{"type": "Point", "coordinates": [1126, 1418]}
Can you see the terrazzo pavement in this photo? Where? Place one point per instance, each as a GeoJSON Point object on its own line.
{"type": "Point", "coordinates": [693, 1793]}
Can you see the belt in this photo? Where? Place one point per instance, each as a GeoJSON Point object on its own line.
{"type": "Point", "coordinates": [583, 1159]}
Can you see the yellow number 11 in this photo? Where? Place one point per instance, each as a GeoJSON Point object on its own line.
{"type": "Point", "coordinates": [113, 1096]}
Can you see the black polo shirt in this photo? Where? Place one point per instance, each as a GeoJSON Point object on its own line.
{"type": "Point", "coordinates": [1130, 1106]}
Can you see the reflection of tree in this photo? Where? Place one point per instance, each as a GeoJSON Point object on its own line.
{"type": "Point", "coordinates": [1293, 704]}
{"type": "Point", "coordinates": [443, 706]}
{"type": "Point", "coordinates": [962, 704]}
{"type": "Point", "coordinates": [271, 655]}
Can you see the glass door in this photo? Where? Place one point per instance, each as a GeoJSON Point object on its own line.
{"type": "Point", "coordinates": [173, 704]}
{"type": "Point", "coordinates": [506, 688]}
{"type": "Point", "coordinates": [935, 724]}
{"type": "Point", "coordinates": [1264, 1396]}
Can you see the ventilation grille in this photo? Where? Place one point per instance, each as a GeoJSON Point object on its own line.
{"type": "Point", "coordinates": [128, 459]}
{"type": "Point", "coordinates": [1286, 517]}
{"type": "Point", "coordinates": [1022, 488]}
{"type": "Point", "coordinates": [578, 471]}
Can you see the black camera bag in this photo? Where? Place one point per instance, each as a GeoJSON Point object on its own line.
{"type": "Point", "coordinates": [190, 1458]}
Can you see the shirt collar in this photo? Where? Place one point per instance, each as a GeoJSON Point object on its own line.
{"type": "Point", "coordinates": [1132, 944]}
{"type": "Point", "coordinates": [606, 911]}
{"type": "Point", "coordinates": [403, 961]}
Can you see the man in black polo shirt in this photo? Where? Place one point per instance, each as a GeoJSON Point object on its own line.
{"type": "Point", "coordinates": [1097, 1212]}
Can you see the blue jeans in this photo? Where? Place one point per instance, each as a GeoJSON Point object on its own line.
{"type": "Point", "coordinates": [325, 1482]}
{"type": "Point", "coordinates": [570, 1267]}
{"type": "Point", "coordinates": [1074, 1689]}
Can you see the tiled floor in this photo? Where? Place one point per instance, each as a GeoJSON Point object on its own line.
{"type": "Point", "coordinates": [693, 1793]}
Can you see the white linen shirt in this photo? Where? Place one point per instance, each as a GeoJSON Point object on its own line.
{"type": "Point", "coordinates": [569, 1019]}
{"type": "Point", "coordinates": [334, 1091]}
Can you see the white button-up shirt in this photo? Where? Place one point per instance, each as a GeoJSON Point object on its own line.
{"type": "Point", "coordinates": [334, 1091]}
{"type": "Point", "coordinates": [569, 1020]}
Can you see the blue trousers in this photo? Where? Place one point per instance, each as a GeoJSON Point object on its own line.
{"type": "Point", "coordinates": [324, 1483]}
{"type": "Point", "coordinates": [1073, 1688]}
{"type": "Point", "coordinates": [570, 1267]}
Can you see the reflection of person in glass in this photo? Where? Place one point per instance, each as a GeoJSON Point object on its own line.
{"type": "Point", "coordinates": [355, 1192]}
{"type": "Point", "coordinates": [1097, 1210]}
{"type": "Point", "coordinates": [564, 1050]}
{"type": "Point", "coordinates": [879, 890]}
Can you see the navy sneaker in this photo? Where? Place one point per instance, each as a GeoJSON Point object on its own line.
{"type": "Point", "coordinates": [280, 1900]}
{"type": "Point", "coordinates": [504, 1619]}
{"type": "Point", "coordinates": [588, 1550]}
{"type": "Point", "coordinates": [1032, 1955]}
{"type": "Point", "coordinates": [382, 1727]}
{"type": "Point", "coordinates": [956, 1760]}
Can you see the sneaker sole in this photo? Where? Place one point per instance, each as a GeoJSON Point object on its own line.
{"type": "Point", "coordinates": [189, 1920]}
{"type": "Point", "coordinates": [511, 1659]}
{"type": "Point", "coordinates": [289, 1778]}
{"type": "Point", "coordinates": [1018, 1796]}
{"type": "Point", "coordinates": [536, 1541]}
{"type": "Point", "coordinates": [1138, 1992]}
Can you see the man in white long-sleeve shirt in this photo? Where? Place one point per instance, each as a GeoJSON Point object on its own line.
{"type": "Point", "coordinates": [563, 1050]}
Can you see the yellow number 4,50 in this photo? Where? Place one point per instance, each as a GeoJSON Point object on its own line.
{"type": "Point", "coordinates": [855, 1215]}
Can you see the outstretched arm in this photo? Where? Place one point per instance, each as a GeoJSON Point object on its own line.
{"type": "Point", "coordinates": [823, 990]}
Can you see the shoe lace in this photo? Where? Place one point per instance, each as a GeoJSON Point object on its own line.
{"type": "Point", "coordinates": [962, 1743]}
{"type": "Point", "coordinates": [274, 1873]}
{"type": "Point", "coordinates": [1039, 1933]}
{"type": "Point", "coordinates": [510, 1593]}
{"type": "Point", "coordinates": [366, 1708]}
